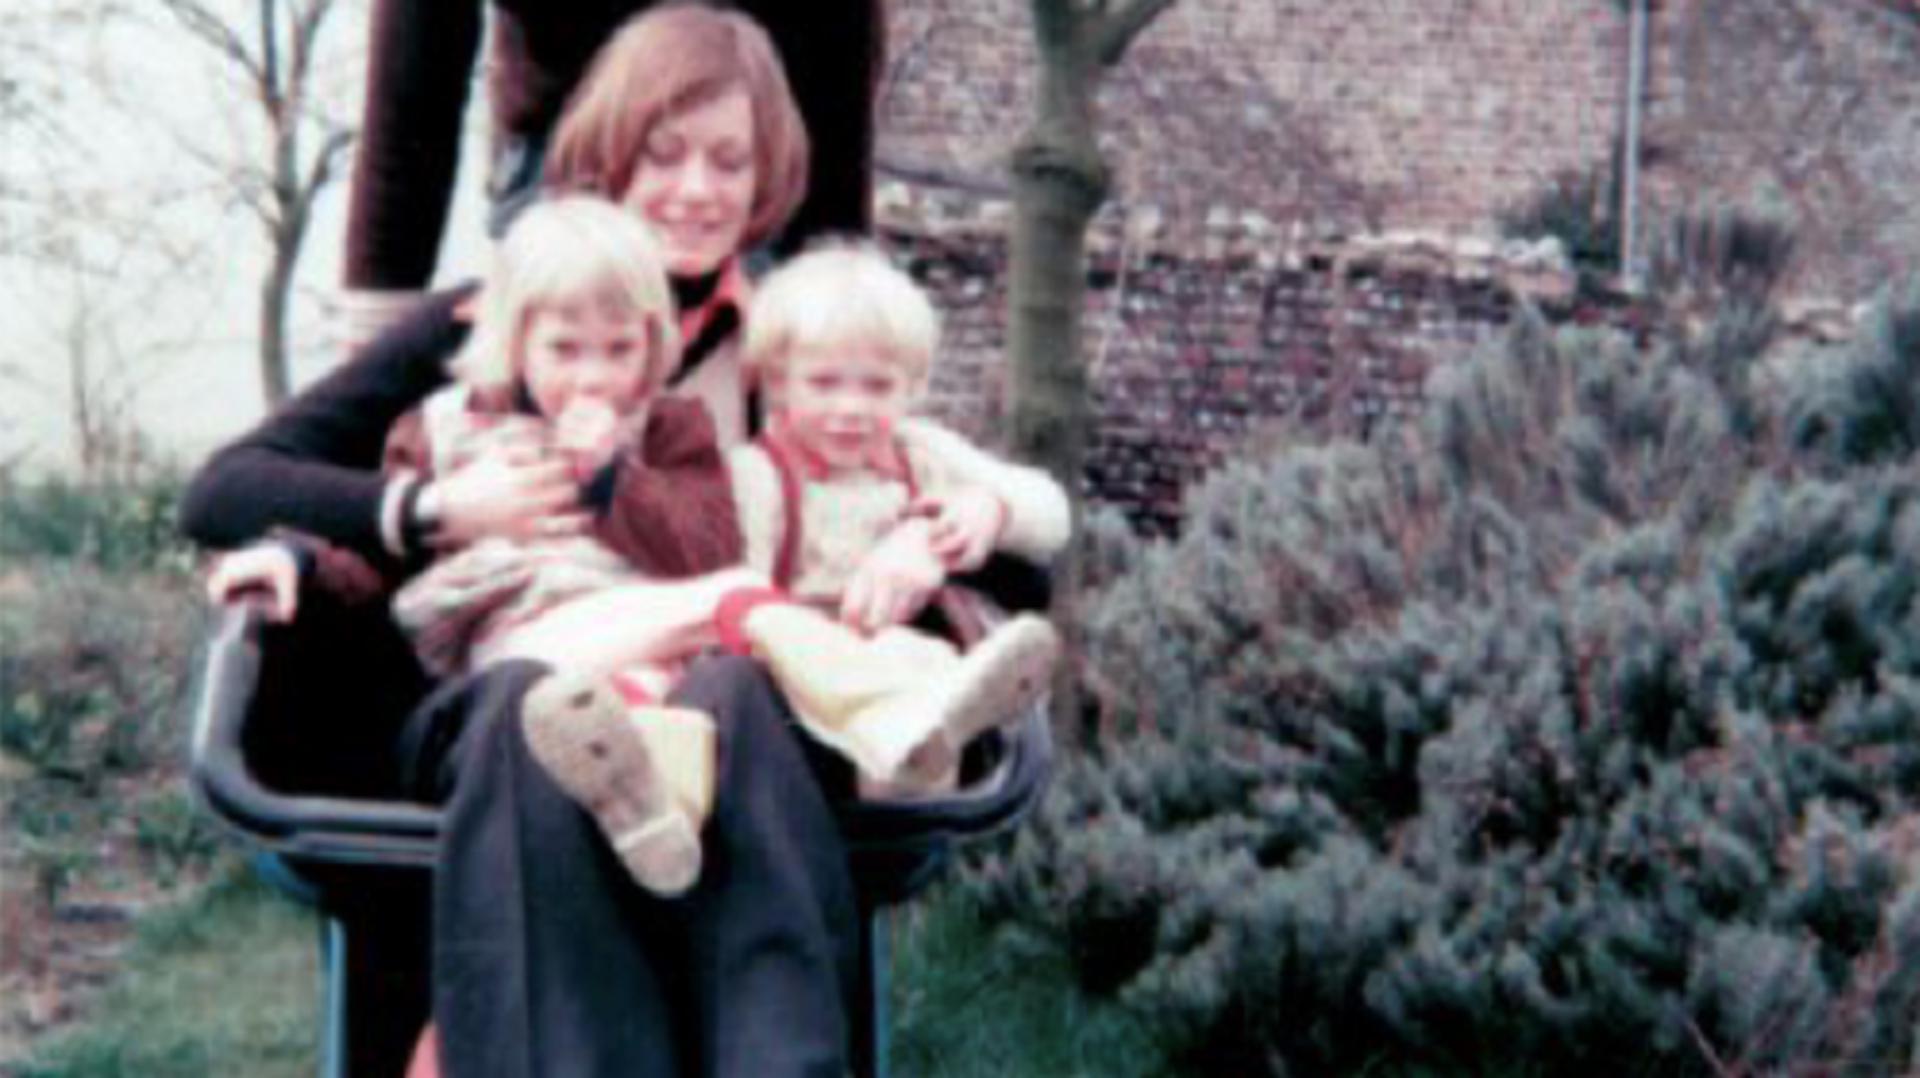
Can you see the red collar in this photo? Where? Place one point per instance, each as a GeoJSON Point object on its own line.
{"type": "Point", "coordinates": [887, 461]}
{"type": "Point", "coordinates": [731, 290]}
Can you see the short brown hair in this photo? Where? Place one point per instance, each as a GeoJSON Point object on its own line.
{"type": "Point", "coordinates": [669, 58]}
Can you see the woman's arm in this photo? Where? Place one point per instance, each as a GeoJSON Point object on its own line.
{"type": "Point", "coordinates": [314, 464]}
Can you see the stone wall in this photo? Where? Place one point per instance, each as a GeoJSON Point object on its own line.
{"type": "Point", "coordinates": [1366, 116]}
{"type": "Point", "coordinates": [1309, 196]}
{"type": "Point", "coordinates": [1197, 351]}
{"type": "Point", "coordinates": [1810, 108]}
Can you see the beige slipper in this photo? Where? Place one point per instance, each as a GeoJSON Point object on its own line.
{"type": "Point", "coordinates": [920, 734]}
{"type": "Point", "coordinates": [580, 731]}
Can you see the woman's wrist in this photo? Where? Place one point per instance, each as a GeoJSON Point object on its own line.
{"type": "Point", "coordinates": [410, 516]}
{"type": "Point", "coordinates": [392, 505]}
{"type": "Point", "coordinates": [422, 516]}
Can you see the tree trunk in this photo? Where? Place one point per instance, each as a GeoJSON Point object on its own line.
{"type": "Point", "coordinates": [1054, 202]}
{"type": "Point", "coordinates": [274, 58]}
{"type": "Point", "coordinates": [276, 292]}
{"type": "Point", "coordinates": [1059, 182]}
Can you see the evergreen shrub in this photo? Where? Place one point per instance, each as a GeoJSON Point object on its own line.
{"type": "Point", "coordinates": [1576, 731]}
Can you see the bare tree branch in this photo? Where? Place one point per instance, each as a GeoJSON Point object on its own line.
{"type": "Point", "coordinates": [272, 88]}
{"type": "Point", "coordinates": [1119, 26]}
{"type": "Point", "coordinates": [280, 183]}
{"type": "Point", "coordinates": [306, 33]}
{"type": "Point", "coordinates": [212, 32]}
{"type": "Point", "coordinates": [323, 168]}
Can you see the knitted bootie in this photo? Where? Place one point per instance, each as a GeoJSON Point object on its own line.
{"type": "Point", "coordinates": [901, 699]}
{"type": "Point", "coordinates": [614, 762]}
{"type": "Point", "coordinates": [914, 738]}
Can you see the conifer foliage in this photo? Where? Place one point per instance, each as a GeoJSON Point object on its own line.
{"type": "Point", "coordinates": [1576, 731]}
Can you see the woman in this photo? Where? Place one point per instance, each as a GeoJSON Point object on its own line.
{"type": "Point", "coordinates": [420, 65]}
{"type": "Point", "coordinates": [546, 959]}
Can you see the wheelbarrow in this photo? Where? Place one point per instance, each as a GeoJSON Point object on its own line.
{"type": "Point", "coordinates": [325, 828]}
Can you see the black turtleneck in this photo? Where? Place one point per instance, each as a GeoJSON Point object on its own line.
{"type": "Point", "coordinates": [691, 292]}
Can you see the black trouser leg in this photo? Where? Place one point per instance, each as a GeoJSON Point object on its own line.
{"type": "Point", "coordinates": [772, 925]}
{"type": "Point", "coordinates": [549, 961]}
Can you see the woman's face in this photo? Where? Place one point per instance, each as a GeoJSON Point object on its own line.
{"type": "Point", "coordinates": [695, 182]}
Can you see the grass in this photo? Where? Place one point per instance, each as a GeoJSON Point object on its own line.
{"type": "Point", "coordinates": [223, 984]}
{"type": "Point", "coordinates": [226, 984]}
{"type": "Point", "coordinates": [970, 1003]}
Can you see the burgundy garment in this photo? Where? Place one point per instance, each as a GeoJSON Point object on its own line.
{"type": "Point", "coordinates": [421, 57]}
{"type": "Point", "coordinates": [666, 503]}
{"type": "Point", "coordinates": [672, 510]}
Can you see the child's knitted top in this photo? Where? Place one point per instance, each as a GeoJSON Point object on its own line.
{"type": "Point", "coordinates": [844, 514]}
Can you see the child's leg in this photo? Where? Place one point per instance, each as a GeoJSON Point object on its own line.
{"type": "Point", "coordinates": [645, 774]}
{"type": "Point", "coordinates": [681, 740]}
{"type": "Point", "coordinates": [683, 746]}
{"type": "Point", "coordinates": [656, 621]}
{"type": "Point", "coordinates": [901, 701]}
{"type": "Point", "coordinates": [830, 671]}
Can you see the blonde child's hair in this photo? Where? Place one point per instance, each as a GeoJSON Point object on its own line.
{"type": "Point", "coordinates": [569, 250]}
{"type": "Point", "coordinates": [839, 293]}
{"type": "Point", "coordinates": [667, 59]}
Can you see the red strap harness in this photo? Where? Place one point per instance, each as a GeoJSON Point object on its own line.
{"type": "Point", "coordinates": [786, 465]}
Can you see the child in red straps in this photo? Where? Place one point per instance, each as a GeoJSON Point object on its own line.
{"type": "Point", "coordinates": [842, 343]}
{"type": "Point", "coordinates": [570, 345]}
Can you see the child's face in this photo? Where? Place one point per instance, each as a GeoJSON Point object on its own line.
{"type": "Point", "coordinates": [588, 350]}
{"type": "Point", "coordinates": [841, 403]}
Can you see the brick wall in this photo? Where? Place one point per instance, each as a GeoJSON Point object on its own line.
{"type": "Point", "coordinates": [1196, 353]}
{"type": "Point", "coordinates": [1308, 195]}
{"type": "Point", "coordinates": [1808, 106]}
{"type": "Point", "coordinates": [1322, 117]}
{"type": "Point", "coordinates": [1385, 115]}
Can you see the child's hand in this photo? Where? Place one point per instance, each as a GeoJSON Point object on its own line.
{"type": "Point", "coordinates": [895, 580]}
{"type": "Point", "coordinates": [266, 574]}
{"type": "Point", "coordinates": [586, 433]}
{"type": "Point", "coordinates": [966, 525]}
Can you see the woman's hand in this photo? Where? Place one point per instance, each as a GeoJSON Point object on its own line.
{"type": "Point", "coordinates": [266, 574]}
{"type": "Point", "coordinates": [895, 580]}
{"type": "Point", "coordinates": [520, 490]}
{"type": "Point", "coordinates": [966, 525]}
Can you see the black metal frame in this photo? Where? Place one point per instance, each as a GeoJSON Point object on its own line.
{"type": "Point", "coordinates": [334, 851]}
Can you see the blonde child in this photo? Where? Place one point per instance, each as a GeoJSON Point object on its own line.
{"type": "Point", "coordinates": [572, 341]}
{"type": "Point", "coordinates": [841, 497]}
{"type": "Point", "coordinates": [843, 343]}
